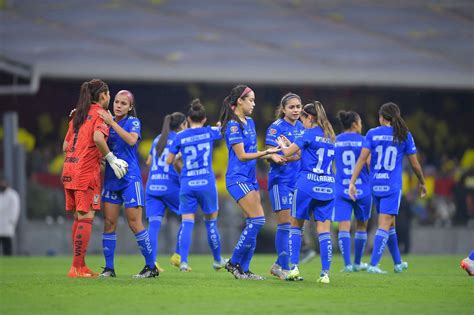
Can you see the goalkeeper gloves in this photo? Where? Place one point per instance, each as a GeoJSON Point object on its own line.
{"type": "Point", "coordinates": [119, 166]}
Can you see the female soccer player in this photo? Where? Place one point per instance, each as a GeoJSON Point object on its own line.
{"type": "Point", "coordinates": [241, 180]}
{"type": "Point", "coordinates": [348, 146]}
{"type": "Point", "coordinates": [84, 146]}
{"type": "Point", "coordinates": [198, 183]}
{"type": "Point", "coordinates": [387, 144]}
{"type": "Point", "coordinates": [123, 140]}
{"type": "Point", "coordinates": [282, 176]}
{"type": "Point", "coordinates": [314, 194]}
{"type": "Point", "coordinates": [162, 186]}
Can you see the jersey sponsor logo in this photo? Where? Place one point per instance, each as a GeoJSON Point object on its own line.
{"type": "Point", "coordinates": [383, 138]}
{"type": "Point", "coordinates": [234, 129]}
{"type": "Point", "coordinates": [158, 188]}
{"type": "Point", "coordinates": [71, 160]}
{"type": "Point", "coordinates": [66, 179]}
{"type": "Point", "coordinates": [323, 190]}
{"type": "Point", "coordinates": [359, 191]}
{"type": "Point", "coordinates": [198, 182]}
{"type": "Point", "coordinates": [136, 123]}
{"type": "Point", "coordinates": [383, 188]}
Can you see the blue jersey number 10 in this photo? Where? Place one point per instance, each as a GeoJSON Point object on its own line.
{"type": "Point", "coordinates": [389, 158]}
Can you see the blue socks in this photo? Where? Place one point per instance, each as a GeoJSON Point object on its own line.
{"type": "Point", "coordinates": [392, 244]}
{"type": "Point", "coordinates": [344, 238]}
{"type": "Point", "coordinates": [177, 239]}
{"type": "Point", "coordinates": [294, 244]}
{"type": "Point", "coordinates": [281, 245]}
{"type": "Point", "coordinates": [359, 246]}
{"type": "Point", "coordinates": [245, 247]}
{"type": "Point", "coordinates": [185, 238]}
{"type": "Point", "coordinates": [153, 231]}
{"type": "Point", "coordinates": [380, 241]}
{"type": "Point", "coordinates": [213, 238]}
{"type": "Point", "coordinates": [471, 256]}
{"type": "Point", "coordinates": [109, 241]}
{"type": "Point", "coordinates": [325, 247]}
{"type": "Point", "coordinates": [143, 241]}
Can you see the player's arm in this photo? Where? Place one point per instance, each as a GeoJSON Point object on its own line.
{"type": "Point", "coordinates": [176, 160]}
{"type": "Point", "coordinates": [416, 167]}
{"type": "Point", "coordinates": [119, 166]}
{"type": "Point", "coordinates": [244, 156]}
{"type": "Point", "coordinates": [130, 138]}
{"type": "Point", "coordinates": [289, 149]}
{"type": "Point", "coordinates": [361, 162]}
{"type": "Point", "coordinates": [276, 158]}
{"type": "Point", "coordinates": [148, 160]}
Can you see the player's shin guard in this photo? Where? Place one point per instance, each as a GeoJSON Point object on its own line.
{"type": "Point", "coordinates": [359, 246]}
{"type": "Point", "coordinates": [153, 232]}
{"type": "Point", "coordinates": [254, 226]}
{"type": "Point", "coordinates": [380, 241]}
{"type": "Point", "coordinates": [281, 244]}
{"type": "Point", "coordinates": [325, 248]}
{"type": "Point", "coordinates": [294, 244]}
{"type": "Point", "coordinates": [392, 244]}
{"type": "Point", "coordinates": [344, 240]}
{"type": "Point", "coordinates": [109, 242]}
{"type": "Point", "coordinates": [213, 238]}
{"type": "Point", "coordinates": [185, 238]}
{"type": "Point", "coordinates": [81, 241]}
{"type": "Point", "coordinates": [143, 241]}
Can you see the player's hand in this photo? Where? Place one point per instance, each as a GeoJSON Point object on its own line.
{"type": "Point", "coordinates": [283, 141]}
{"type": "Point", "coordinates": [272, 150]}
{"type": "Point", "coordinates": [352, 191]}
{"type": "Point", "coordinates": [119, 166]}
{"type": "Point", "coordinates": [278, 159]}
{"type": "Point", "coordinates": [422, 190]}
{"type": "Point", "coordinates": [106, 116]}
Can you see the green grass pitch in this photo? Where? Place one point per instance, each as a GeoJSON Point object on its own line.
{"type": "Point", "coordinates": [39, 285]}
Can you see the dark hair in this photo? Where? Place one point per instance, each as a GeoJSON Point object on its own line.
{"type": "Point", "coordinates": [347, 118]}
{"type": "Point", "coordinates": [171, 122]}
{"type": "Point", "coordinates": [391, 112]}
{"type": "Point", "coordinates": [131, 99]}
{"type": "Point", "coordinates": [284, 100]}
{"type": "Point", "coordinates": [316, 110]}
{"type": "Point", "coordinates": [90, 92]}
{"type": "Point", "coordinates": [196, 111]}
{"type": "Point", "coordinates": [228, 106]}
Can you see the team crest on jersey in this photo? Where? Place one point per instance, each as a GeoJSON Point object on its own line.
{"type": "Point", "coordinates": [273, 131]}
{"type": "Point", "coordinates": [234, 129]}
{"type": "Point", "coordinates": [136, 123]}
{"type": "Point", "coordinates": [96, 199]}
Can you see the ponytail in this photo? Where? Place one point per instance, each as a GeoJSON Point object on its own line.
{"type": "Point", "coordinates": [229, 104]}
{"type": "Point", "coordinates": [391, 112]}
{"type": "Point", "coordinates": [347, 118]}
{"type": "Point", "coordinates": [316, 110]}
{"type": "Point", "coordinates": [90, 92]}
{"type": "Point", "coordinates": [171, 122]}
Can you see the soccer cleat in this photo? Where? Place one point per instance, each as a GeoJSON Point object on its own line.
{"type": "Point", "coordinates": [348, 269]}
{"type": "Point", "coordinates": [400, 267]}
{"type": "Point", "coordinates": [294, 274]}
{"type": "Point", "coordinates": [183, 267]}
{"type": "Point", "coordinates": [278, 272]}
{"type": "Point", "coordinates": [81, 272]}
{"type": "Point", "coordinates": [360, 267]}
{"type": "Point", "coordinates": [147, 272]}
{"type": "Point", "coordinates": [175, 260]}
{"type": "Point", "coordinates": [323, 278]}
{"type": "Point", "coordinates": [219, 265]}
{"type": "Point", "coordinates": [107, 273]}
{"type": "Point", "coordinates": [307, 256]}
{"type": "Point", "coordinates": [375, 269]}
{"type": "Point", "coordinates": [251, 276]}
{"type": "Point", "coordinates": [468, 265]}
{"type": "Point", "coordinates": [87, 270]}
{"type": "Point", "coordinates": [159, 267]}
{"type": "Point", "coordinates": [235, 270]}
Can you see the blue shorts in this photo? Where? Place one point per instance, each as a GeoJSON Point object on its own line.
{"type": "Point", "coordinates": [388, 204]}
{"type": "Point", "coordinates": [281, 197]}
{"type": "Point", "coordinates": [190, 199]}
{"type": "Point", "coordinates": [156, 205]}
{"type": "Point", "coordinates": [343, 208]}
{"type": "Point", "coordinates": [304, 206]}
{"type": "Point", "coordinates": [130, 196]}
{"type": "Point", "coordinates": [239, 190]}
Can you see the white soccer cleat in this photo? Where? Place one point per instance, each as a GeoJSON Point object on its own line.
{"type": "Point", "coordinates": [360, 267]}
{"type": "Point", "coordinates": [400, 267]}
{"type": "Point", "coordinates": [375, 269]}
{"type": "Point", "coordinates": [278, 272]}
{"type": "Point", "coordinates": [348, 269]}
{"type": "Point", "coordinates": [219, 265]}
{"type": "Point", "coordinates": [294, 274]}
{"type": "Point", "coordinates": [323, 278]}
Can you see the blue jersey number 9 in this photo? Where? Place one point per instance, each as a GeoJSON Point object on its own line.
{"type": "Point", "coordinates": [348, 159]}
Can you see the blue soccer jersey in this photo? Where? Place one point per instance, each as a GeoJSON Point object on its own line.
{"type": "Point", "coordinates": [316, 177]}
{"type": "Point", "coordinates": [125, 152]}
{"type": "Point", "coordinates": [162, 178]}
{"type": "Point", "coordinates": [348, 146]}
{"type": "Point", "coordinates": [283, 174]}
{"type": "Point", "coordinates": [386, 160]}
{"type": "Point", "coordinates": [237, 171]}
{"type": "Point", "coordinates": [196, 145]}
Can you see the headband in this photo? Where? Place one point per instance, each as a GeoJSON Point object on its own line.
{"type": "Point", "coordinates": [129, 95]}
{"type": "Point", "coordinates": [246, 91]}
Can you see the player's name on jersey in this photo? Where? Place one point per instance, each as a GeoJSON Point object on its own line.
{"type": "Point", "coordinates": [348, 144]}
{"type": "Point", "coordinates": [320, 178]}
{"type": "Point", "coordinates": [382, 176]}
{"type": "Point", "coordinates": [200, 137]}
{"type": "Point", "coordinates": [160, 176]}
{"type": "Point", "coordinates": [201, 171]}
{"type": "Point", "coordinates": [347, 181]}
{"type": "Point", "coordinates": [383, 138]}
{"type": "Point", "coordinates": [322, 139]}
